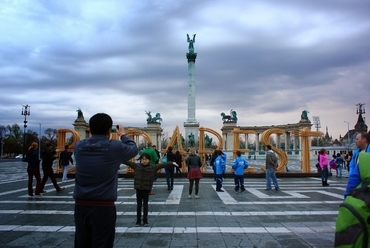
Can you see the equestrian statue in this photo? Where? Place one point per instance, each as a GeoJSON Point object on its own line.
{"type": "Point", "coordinates": [230, 118]}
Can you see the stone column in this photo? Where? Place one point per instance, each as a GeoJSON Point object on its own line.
{"type": "Point", "coordinates": [224, 137]}
{"type": "Point", "coordinates": [191, 125]}
{"type": "Point", "coordinates": [287, 141]}
{"type": "Point", "coordinates": [278, 141]}
{"type": "Point", "coordinates": [257, 142]}
{"type": "Point", "coordinates": [159, 142]}
{"type": "Point", "coordinates": [295, 143]}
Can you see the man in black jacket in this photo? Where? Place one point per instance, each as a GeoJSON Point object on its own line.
{"type": "Point", "coordinates": [48, 157]}
{"type": "Point", "coordinates": [64, 159]}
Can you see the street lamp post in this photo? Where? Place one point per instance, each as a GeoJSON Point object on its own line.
{"type": "Point", "coordinates": [347, 134]}
{"type": "Point", "coordinates": [26, 110]}
{"type": "Point", "coordinates": [316, 121]}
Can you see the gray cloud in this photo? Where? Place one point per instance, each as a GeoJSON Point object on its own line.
{"type": "Point", "coordinates": [262, 59]}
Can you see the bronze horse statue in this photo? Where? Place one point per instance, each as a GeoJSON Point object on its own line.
{"type": "Point", "coordinates": [229, 118]}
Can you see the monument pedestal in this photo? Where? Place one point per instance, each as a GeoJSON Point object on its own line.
{"type": "Point", "coordinates": [82, 128]}
{"type": "Point", "coordinates": [191, 128]}
{"type": "Point", "coordinates": [154, 131]}
{"type": "Point", "coordinates": [228, 135]}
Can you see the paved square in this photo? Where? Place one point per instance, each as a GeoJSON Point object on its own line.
{"type": "Point", "coordinates": [301, 214]}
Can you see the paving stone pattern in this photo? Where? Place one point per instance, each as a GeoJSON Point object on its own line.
{"type": "Point", "coordinates": [301, 214]}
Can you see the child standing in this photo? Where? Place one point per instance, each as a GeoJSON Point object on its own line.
{"type": "Point", "coordinates": [239, 164]}
{"type": "Point", "coordinates": [143, 183]}
{"type": "Point", "coordinates": [220, 169]}
{"type": "Point", "coordinates": [339, 161]}
{"type": "Point", "coordinates": [333, 165]}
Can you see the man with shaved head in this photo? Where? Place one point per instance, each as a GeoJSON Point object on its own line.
{"type": "Point", "coordinates": [363, 145]}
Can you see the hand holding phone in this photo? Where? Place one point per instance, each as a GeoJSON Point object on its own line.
{"type": "Point", "coordinates": [120, 130]}
{"type": "Point", "coordinates": [114, 128]}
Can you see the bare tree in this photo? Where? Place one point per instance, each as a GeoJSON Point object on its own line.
{"type": "Point", "coordinates": [50, 137]}
{"type": "Point", "coordinates": [15, 132]}
{"type": "Point", "coordinates": [165, 139]}
{"type": "Point", "coordinates": [50, 133]}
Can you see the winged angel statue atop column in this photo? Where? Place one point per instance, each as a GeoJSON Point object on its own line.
{"type": "Point", "coordinates": [191, 43]}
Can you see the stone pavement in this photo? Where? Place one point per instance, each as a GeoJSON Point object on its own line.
{"type": "Point", "coordinates": [301, 214]}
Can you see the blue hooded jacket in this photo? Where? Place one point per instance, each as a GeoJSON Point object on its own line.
{"type": "Point", "coordinates": [354, 178]}
{"type": "Point", "coordinates": [239, 165]}
{"type": "Point", "coordinates": [220, 164]}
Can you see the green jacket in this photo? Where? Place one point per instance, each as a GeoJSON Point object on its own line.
{"type": "Point", "coordinates": [144, 175]}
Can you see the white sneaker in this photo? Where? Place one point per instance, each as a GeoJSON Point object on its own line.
{"type": "Point", "coordinates": [197, 197]}
{"type": "Point", "coordinates": [189, 197]}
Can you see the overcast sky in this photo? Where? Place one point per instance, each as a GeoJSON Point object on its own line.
{"type": "Point", "coordinates": [268, 60]}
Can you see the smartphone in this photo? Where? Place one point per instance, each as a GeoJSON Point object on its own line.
{"type": "Point", "coordinates": [114, 128]}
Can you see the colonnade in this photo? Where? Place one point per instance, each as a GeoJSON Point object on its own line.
{"type": "Point", "coordinates": [256, 137]}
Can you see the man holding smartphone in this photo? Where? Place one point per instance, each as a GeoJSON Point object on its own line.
{"type": "Point", "coordinates": [97, 163]}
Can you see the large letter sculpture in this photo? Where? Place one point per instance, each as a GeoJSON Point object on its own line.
{"type": "Point", "coordinates": [305, 133]}
{"type": "Point", "coordinates": [283, 158]}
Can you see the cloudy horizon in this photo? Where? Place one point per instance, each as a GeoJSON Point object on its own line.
{"type": "Point", "coordinates": [266, 60]}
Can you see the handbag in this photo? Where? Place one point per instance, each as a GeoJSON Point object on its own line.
{"type": "Point", "coordinates": [164, 159]}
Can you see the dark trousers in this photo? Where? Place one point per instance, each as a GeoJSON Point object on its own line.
{"type": "Point", "coordinates": [155, 176]}
{"type": "Point", "coordinates": [178, 170]}
{"type": "Point", "coordinates": [191, 182]}
{"type": "Point", "coordinates": [48, 172]}
{"type": "Point", "coordinates": [95, 226]}
{"type": "Point", "coordinates": [239, 182]}
{"type": "Point", "coordinates": [325, 174]}
{"type": "Point", "coordinates": [142, 198]}
{"type": "Point", "coordinates": [219, 180]}
{"type": "Point", "coordinates": [31, 173]}
{"type": "Point", "coordinates": [169, 178]}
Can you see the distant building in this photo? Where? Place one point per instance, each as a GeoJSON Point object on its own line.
{"type": "Point", "coordinates": [350, 137]}
{"type": "Point", "coordinates": [328, 139]}
{"type": "Point", "coordinates": [336, 142]}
